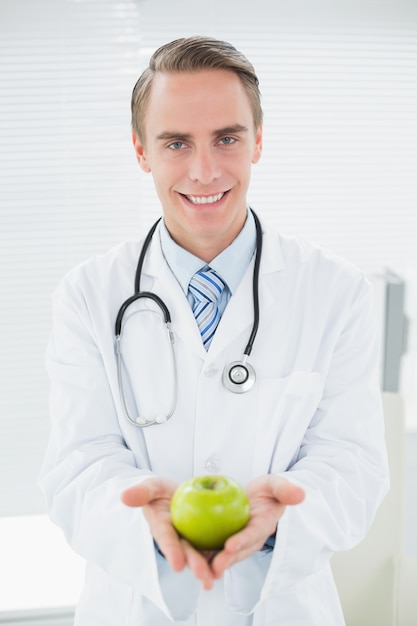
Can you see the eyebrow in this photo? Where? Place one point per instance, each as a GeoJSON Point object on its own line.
{"type": "Point", "coordinates": [227, 130]}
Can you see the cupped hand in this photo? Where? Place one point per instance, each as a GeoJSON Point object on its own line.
{"type": "Point", "coordinates": [268, 498]}
{"type": "Point", "coordinates": [154, 497]}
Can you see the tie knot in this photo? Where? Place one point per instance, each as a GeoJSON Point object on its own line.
{"type": "Point", "coordinates": [206, 285]}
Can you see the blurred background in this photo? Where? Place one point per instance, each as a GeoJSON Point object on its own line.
{"type": "Point", "coordinates": [339, 85]}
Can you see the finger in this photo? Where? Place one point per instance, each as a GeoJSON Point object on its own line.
{"type": "Point", "coordinates": [172, 550]}
{"type": "Point", "coordinates": [147, 491]}
{"type": "Point", "coordinates": [199, 565]}
{"type": "Point", "coordinates": [250, 539]}
{"type": "Point", "coordinates": [286, 492]}
{"type": "Point", "coordinates": [275, 487]}
{"type": "Point", "coordinates": [237, 548]}
{"type": "Point", "coordinates": [224, 559]}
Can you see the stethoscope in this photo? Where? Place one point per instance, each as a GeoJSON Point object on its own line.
{"type": "Point", "coordinates": [238, 376]}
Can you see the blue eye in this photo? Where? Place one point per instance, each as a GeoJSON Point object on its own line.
{"type": "Point", "coordinates": [228, 140]}
{"type": "Point", "coordinates": [176, 145]}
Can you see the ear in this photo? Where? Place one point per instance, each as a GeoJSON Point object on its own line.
{"type": "Point", "coordinates": [140, 153]}
{"type": "Point", "coordinates": [257, 151]}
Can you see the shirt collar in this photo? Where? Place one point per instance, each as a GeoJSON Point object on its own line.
{"type": "Point", "coordinates": [231, 264]}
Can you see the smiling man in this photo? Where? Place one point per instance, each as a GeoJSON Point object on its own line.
{"type": "Point", "coordinates": [199, 140]}
{"type": "Point", "coordinates": [268, 375]}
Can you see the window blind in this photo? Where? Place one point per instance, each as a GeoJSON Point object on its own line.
{"type": "Point", "coordinates": [69, 189]}
{"type": "Point", "coordinates": [339, 85]}
{"type": "Point", "coordinates": [339, 88]}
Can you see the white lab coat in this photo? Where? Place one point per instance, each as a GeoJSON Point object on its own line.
{"type": "Point", "coordinates": [314, 416]}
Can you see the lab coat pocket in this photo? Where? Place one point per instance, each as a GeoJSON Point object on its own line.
{"type": "Point", "coordinates": [286, 406]}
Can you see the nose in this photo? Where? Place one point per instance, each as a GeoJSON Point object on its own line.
{"type": "Point", "coordinates": [204, 166]}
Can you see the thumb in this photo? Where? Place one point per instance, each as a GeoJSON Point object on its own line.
{"type": "Point", "coordinates": [147, 491]}
{"type": "Point", "coordinates": [286, 492]}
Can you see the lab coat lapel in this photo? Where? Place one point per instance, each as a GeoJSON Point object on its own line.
{"type": "Point", "coordinates": [238, 315]}
{"type": "Point", "coordinates": [166, 286]}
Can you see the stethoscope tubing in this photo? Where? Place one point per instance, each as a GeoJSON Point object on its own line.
{"type": "Point", "coordinates": [238, 376]}
{"type": "Point", "coordinates": [255, 285]}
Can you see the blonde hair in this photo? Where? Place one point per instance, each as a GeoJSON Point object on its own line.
{"type": "Point", "coordinates": [189, 55]}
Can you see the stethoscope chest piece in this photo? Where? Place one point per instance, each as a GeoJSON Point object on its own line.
{"type": "Point", "coordinates": [239, 376]}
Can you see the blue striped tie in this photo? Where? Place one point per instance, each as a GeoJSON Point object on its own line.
{"type": "Point", "coordinates": [206, 287]}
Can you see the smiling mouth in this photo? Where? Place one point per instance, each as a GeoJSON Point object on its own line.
{"type": "Point", "coordinates": [205, 199]}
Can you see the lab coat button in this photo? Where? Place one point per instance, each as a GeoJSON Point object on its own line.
{"type": "Point", "coordinates": [212, 370]}
{"type": "Point", "coordinates": [212, 465]}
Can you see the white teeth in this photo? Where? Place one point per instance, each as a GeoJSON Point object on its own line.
{"type": "Point", "coordinates": [205, 199]}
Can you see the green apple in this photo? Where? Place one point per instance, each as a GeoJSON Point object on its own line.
{"type": "Point", "coordinates": [206, 510]}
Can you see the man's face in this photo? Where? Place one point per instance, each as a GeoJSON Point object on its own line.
{"type": "Point", "coordinates": [199, 144]}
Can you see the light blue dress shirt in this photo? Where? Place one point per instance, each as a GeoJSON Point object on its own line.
{"type": "Point", "coordinates": [231, 264]}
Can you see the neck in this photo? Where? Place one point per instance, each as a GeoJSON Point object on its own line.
{"type": "Point", "coordinates": [209, 242]}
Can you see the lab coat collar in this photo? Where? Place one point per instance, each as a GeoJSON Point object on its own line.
{"type": "Point", "coordinates": [158, 278]}
{"type": "Point", "coordinates": [238, 316]}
